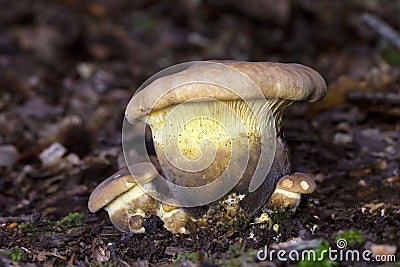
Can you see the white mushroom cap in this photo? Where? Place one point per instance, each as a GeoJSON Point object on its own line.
{"type": "Point", "coordinates": [274, 80]}
{"type": "Point", "coordinates": [119, 183]}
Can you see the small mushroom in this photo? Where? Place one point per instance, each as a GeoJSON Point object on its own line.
{"type": "Point", "coordinates": [289, 189]}
{"type": "Point", "coordinates": [174, 218]}
{"type": "Point", "coordinates": [126, 203]}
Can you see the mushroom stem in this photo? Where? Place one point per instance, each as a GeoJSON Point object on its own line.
{"type": "Point", "coordinates": [131, 204]}
{"type": "Point", "coordinates": [289, 189]}
{"type": "Point", "coordinates": [181, 133]}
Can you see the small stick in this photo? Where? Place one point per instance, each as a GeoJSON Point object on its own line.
{"type": "Point", "coordinates": [382, 28]}
{"type": "Point", "coordinates": [380, 98]}
{"type": "Point", "coordinates": [22, 218]}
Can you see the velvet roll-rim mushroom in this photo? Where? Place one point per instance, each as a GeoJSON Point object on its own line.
{"type": "Point", "coordinates": [289, 189]}
{"type": "Point", "coordinates": [290, 81]}
{"type": "Point", "coordinates": [253, 93]}
{"type": "Point", "coordinates": [237, 106]}
{"type": "Point", "coordinates": [125, 201]}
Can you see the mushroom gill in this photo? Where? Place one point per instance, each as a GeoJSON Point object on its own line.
{"type": "Point", "coordinates": [194, 140]}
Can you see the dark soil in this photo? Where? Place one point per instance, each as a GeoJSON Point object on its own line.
{"type": "Point", "coordinates": [68, 69]}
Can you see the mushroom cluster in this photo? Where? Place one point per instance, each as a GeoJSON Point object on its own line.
{"type": "Point", "coordinates": [221, 156]}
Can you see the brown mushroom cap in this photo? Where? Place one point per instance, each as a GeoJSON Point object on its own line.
{"type": "Point", "coordinates": [297, 183]}
{"type": "Point", "coordinates": [119, 183]}
{"type": "Point", "coordinates": [274, 80]}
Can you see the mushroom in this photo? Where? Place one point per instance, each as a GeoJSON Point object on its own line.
{"type": "Point", "coordinates": [203, 115]}
{"type": "Point", "coordinates": [126, 203]}
{"type": "Point", "coordinates": [289, 189]}
{"type": "Point", "coordinates": [218, 119]}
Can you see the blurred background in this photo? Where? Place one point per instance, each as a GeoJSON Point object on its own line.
{"type": "Point", "coordinates": [69, 67]}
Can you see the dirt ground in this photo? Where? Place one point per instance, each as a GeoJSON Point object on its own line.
{"type": "Point", "coordinates": [68, 69]}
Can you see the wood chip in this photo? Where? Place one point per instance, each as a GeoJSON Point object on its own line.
{"type": "Point", "coordinates": [383, 249]}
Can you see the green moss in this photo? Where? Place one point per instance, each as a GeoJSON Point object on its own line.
{"type": "Point", "coordinates": [188, 256]}
{"type": "Point", "coordinates": [391, 56]}
{"type": "Point", "coordinates": [103, 264]}
{"type": "Point", "coordinates": [235, 256]}
{"type": "Point", "coordinates": [389, 53]}
{"type": "Point", "coordinates": [28, 226]}
{"type": "Point", "coordinates": [280, 216]}
{"type": "Point", "coordinates": [144, 23]}
{"type": "Point", "coordinates": [234, 250]}
{"type": "Point", "coordinates": [321, 256]}
{"type": "Point", "coordinates": [73, 217]}
{"type": "Point", "coordinates": [236, 262]}
{"type": "Point", "coordinates": [352, 237]}
{"type": "Point", "coordinates": [15, 254]}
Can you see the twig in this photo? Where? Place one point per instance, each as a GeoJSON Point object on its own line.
{"type": "Point", "coordinates": [382, 28]}
{"type": "Point", "coordinates": [378, 97]}
{"type": "Point", "coordinates": [22, 218]}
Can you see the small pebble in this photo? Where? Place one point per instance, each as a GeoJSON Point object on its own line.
{"type": "Point", "coordinates": [342, 138]}
{"type": "Point", "coordinates": [52, 154]}
{"type": "Point", "coordinates": [85, 70]}
{"type": "Point", "coordinates": [73, 158]}
{"type": "Point", "coordinates": [8, 155]}
{"type": "Point", "coordinates": [393, 179]}
{"type": "Point", "coordinates": [381, 165]}
{"type": "Point", "coordinates": [343, 127]}
{"type": "Point", "coordinates": [12, 226]}
{"type": "Point", "coordinates": [383, 249]}
{"type": "Point", "coordinates": [362, 183]}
